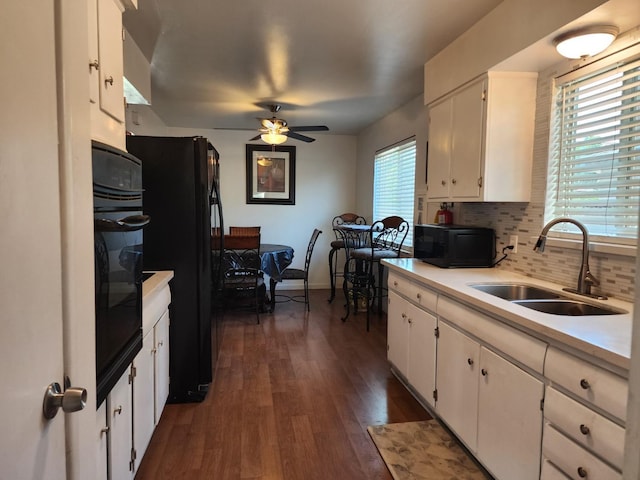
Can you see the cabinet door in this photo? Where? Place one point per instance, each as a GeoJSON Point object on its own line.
{"type": "Point", "coordinates": [161, 332]}
{"type": "Point", "coordinates": [397, 333]}
{"type": "Point", "coordinates": [509, 419]}
{"type": "Point", "coordinates": [143, 397]}
{"type": "Point", "coordinates": [467, 142]}
{"type": "Point", "coordinates": [119, 407]}
{"type": "Point", "coordinates": [93, 60]}
{"type": "Point", "coordinates": [457, 383]}
{"type": "Point", "coordinates": [103, 435]}
{"type": "Point", "coordinates": [421, 369]}
{"type": "Point", "coordinates": [439, 155]}
{"type": "Point", "coordinates": [110, 48]}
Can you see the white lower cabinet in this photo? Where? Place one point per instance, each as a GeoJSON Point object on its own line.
{"type": "Point", "coordinates": [412, 344]}
{"type": "Point", "coordinates": [151, 385]}
{"type": "Point", "coordinates": [457, 383]}
{"type": "Point", "coordinates": [509, 418]}
{"type": "Point", "coordinates": [102, 432]}
{"type": "Point", "coordinates": [585, 407]}
{"type": "Point", "coordinates": [143, 397]}
{"type": "Point", "coordinates": [491, 404]}
{"type": "Point", "coordinates": [397, 334]}
{"type": "Point", "coordinates": [526, 410]}
{"type": "Point", "coordinates": [576, 462]}
{"type": "Point", "coordinates": [119, 419]}
{"type": "Point", "coordinates": [161, 365]}
{"type": "Point", "coordinates": [125, 422]}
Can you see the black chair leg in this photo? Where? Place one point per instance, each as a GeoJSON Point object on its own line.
{"type": "Point", "coordinates": [380, 272]}
{"type": "Point", "coordinates": [332, 273]}
{"type": "Point", "coordinates": [272, 292]}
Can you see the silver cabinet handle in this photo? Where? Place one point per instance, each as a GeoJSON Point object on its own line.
{"type": "Point", "coordinates": [72, 400]}
{"type": "Point", "coordinates": [118, 410]}
{"type": "Point", "coordinates": [94, 64]}
{"type": "Point", "coordinates": [109, 81]}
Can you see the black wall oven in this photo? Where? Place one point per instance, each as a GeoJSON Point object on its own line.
{"type": "Point", "coordinates": [118, 224]}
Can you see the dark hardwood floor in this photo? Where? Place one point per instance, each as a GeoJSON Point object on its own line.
{"type": "Point", "coordinates": [291, 399]}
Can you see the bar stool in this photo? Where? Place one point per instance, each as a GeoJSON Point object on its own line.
{"type": "Point", "coordinates": [387, 237]}
{"type": "Point", "coordinates": [338, 244]}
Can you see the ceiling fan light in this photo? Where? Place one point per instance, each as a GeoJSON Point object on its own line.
{"type": "Point", "coordinates": [273, 138]}
{"type": "Point", "coordinates": [585, 42]}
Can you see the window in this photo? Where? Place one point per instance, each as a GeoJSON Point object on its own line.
{"type": "Point", "coordinates": [394, 183]}
{"type": "Point", "coordinates": [594, 162]}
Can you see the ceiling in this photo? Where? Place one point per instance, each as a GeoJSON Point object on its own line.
{"type": "Point", "coordinates": [340, 63]}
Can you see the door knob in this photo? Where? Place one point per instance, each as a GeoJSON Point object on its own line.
{"type": "Point", "coordinates": [72, 400]}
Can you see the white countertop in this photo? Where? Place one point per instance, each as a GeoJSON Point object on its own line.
{"type": "Point", "coordinates": [156, 297]}
{"type": "Point", "coordinates": [605, 337]}
{"type": "Point", "coordinates": [156, 282]}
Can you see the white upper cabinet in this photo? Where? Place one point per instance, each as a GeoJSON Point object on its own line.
{"type": "Point", "coordinates": [481, 140]}
{"type": "Point", "coordinates": [106, 72]}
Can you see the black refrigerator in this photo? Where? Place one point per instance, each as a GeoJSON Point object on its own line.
{"type": "Point", "coordinates": [180, 180]}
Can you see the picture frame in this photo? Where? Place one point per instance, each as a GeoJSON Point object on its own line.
{"type": "Point", "coordinates": [271, 174]}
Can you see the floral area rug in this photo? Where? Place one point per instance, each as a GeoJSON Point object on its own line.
{"type": "Point", "coordinates": [423, 450]}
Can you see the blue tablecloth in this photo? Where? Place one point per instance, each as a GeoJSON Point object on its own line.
{"type": "Point", "coordinates": [275, 258]}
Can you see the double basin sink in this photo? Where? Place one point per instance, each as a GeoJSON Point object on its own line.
{"type": "Point", "coordinates": [543, 300]}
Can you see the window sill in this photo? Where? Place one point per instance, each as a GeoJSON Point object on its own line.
{"type": "Point", "coordinates": [594, 247]}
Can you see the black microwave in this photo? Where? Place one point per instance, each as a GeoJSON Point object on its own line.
{"type": "Point", "coordinates": [455, 246]}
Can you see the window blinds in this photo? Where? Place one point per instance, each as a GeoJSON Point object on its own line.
{"type": "Point", "coordinates": [394, 183]}
{"type": "Point", "coordinates": [594, 164]}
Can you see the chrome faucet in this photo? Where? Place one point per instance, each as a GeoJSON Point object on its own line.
{"type": "Point", "coordinates": [585, 278]}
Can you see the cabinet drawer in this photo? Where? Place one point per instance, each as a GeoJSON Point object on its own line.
{"type": "Point", "coordinates": [412, 291]}
{"type": "Point", "coordinates": [596, 385]}
{"type": "Point", "coordinates": [520, 346]}
{"type": "Point", "coordinates": [585, 426]}
{"type": "Point", "coordinates": [574, 460]}
{"type": "Point", "coordinates": [550, 472]}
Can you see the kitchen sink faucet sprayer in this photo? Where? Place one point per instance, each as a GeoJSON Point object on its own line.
{"type": "Point", "coordinates": [585, 279]}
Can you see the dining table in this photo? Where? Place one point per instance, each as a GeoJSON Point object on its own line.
{"type": "Point", "coordinates": [275, 259]}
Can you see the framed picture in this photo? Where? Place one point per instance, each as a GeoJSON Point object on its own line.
{"type": "Point", "coordinates": [271, 174]}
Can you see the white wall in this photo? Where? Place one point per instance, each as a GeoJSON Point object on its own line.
{"type": "Point", "coordinates": [407, 121]}
{"type": "Point", "coordinates": [325, 179]}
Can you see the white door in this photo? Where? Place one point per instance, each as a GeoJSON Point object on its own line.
{"type": "Point", "coordinates": [397, 333]}
{"type": "Point", "coordinates": [467, 141]}
{"type": "Point", "coordinates": [30, 245]}
{"type": "Point", "coordinates": [457, 382]}
{"type": "Point", "coordinates": [509, 419]}
{"type": "Point", "coordinates": [422, 352]}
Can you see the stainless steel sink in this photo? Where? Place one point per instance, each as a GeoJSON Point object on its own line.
{"type": "Point", "coordinates": [567, 307]}
{"type": "Point", "coordinates": [543, 300]}
{"type": "Point", "coordinates": [517, 291]}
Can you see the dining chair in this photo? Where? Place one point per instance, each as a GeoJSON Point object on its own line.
{"type": "Point", "coordinates": [290, 273]}
{"type": "Point", "coordinates": [386, 239]}
{"type": "Point", "coordinates": [242, 279]}
{"type": "Point", "coordinates": [338, 244]}
{"type": "Point", "coordinates": [244, 230]}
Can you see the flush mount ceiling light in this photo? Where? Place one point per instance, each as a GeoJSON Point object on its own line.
{"type": "Point", "coordinates": [585, 42]}
{"type": "Point", "coordinates": [273, 138]}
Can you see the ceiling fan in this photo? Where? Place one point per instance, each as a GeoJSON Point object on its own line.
{"type": "Point", "coordinates": [275, 131]}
